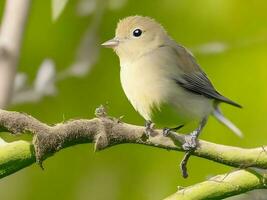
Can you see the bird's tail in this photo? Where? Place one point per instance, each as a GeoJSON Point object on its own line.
{"type": "Point", "coordinates": [220, 117]}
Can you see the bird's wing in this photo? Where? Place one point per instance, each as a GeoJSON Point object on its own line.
{"type": "Point", "coordinates": [194, 79]}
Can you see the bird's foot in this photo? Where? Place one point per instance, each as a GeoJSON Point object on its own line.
{"type": "Point", "coordinates": [190, 141]}
{"type": "Point", "coordinates": [166, 131]}
{"type": "Point", "coordinates": [149, 128]}
{"type": "Point", "coordinates": [189, 145]}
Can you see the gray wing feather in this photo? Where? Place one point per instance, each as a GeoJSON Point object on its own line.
{"type": "Point", "coordinates": [196, 80]}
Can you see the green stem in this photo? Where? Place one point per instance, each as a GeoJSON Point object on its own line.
{"type": "Point", "coordinates": [15, 156]}
{"type": "Point", "coordinates": [223, 186]}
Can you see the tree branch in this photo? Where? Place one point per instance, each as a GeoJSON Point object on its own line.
{"type": "Point", "coordinates": [223, 186]}
{"type": "Point", "coordinates": [104, 132]}
{"type": "Point", "coordinates": [12, 29]}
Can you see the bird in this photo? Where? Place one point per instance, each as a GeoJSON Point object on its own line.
{"type": "Point", "coordinates": [163, 81]}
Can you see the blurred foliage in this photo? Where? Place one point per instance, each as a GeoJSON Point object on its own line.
{"type": "Point", "coordinates": [134, 171]}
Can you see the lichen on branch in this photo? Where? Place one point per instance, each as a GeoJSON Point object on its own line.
{"type": "Point", "coordinates": [104, 132]}
{"type": "Point", "coordinates": [107, 131]}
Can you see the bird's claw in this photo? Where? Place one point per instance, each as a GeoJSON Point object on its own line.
{"type": "Point", "coordinates": [166, 131]}
{"type": "Point", "coordinates": [190, 142]}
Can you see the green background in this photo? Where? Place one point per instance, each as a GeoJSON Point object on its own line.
{"type": "Point", "coordinates": [135, 171]}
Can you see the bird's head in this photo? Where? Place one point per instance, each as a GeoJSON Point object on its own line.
{"type": "Point", "coordinates": [136, 35]}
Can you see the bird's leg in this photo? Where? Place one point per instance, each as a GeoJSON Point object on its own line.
{"type": "Point", "coordinates": [149, 125]}
{"type": "Point", "coordinates": [191, 139]}
{"type": "Point", "coordinates": [189, 143]}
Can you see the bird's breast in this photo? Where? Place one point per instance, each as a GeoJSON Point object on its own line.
{"type": "Point", "coordinates": [146, 85]}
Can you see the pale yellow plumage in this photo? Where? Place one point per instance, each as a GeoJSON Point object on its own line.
{"type": "Point", "coordinates": [156, 71]}
{"type": "Point", "coordinates": [147, 83]}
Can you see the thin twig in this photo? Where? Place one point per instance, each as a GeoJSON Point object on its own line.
{"type": "Point", "coordinates": [183, 164]}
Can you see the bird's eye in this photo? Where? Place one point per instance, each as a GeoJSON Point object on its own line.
{"type": "Point", "coordinates": [137, 32]}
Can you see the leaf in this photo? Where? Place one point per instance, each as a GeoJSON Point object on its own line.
{"type": "Point", "coordinates": [2, 142]}
{"type": "Point", "coordinates": [57, 8]}
{"type": "Point", "coordinates": [86, 7]}
{"type": "Point", "coordinates": [20, 82]}
{"type": "Point", "coordinates": [45, 79]}
{"type": "Point", "coordinates": [116, 4]}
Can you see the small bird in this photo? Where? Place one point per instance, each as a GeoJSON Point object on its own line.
{"type": "Point", "coordinates": [163, 80]}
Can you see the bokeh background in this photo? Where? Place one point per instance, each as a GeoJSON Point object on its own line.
{"type": "Point", "coordinates": [229, 39]}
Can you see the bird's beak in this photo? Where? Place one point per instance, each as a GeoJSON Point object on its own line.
{"type": "Point", "coordinates": [111, 43]}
